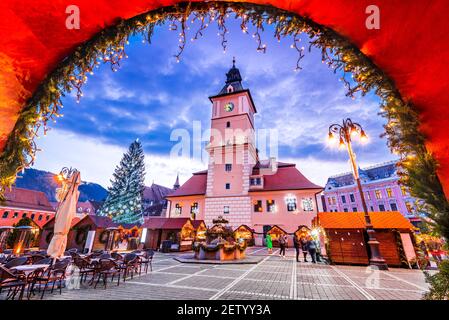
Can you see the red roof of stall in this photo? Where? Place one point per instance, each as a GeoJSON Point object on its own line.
{"type": "Point", "coordinates": [356, 220]}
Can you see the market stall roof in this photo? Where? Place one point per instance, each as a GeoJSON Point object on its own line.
{"type": "Point", "coordinates": [169, 223]}
{"type": "Point", "coordinates": [52, 220]}
{"type": "Point", "coordinates": [411, 47]}
{"type": "Point", "coordinates": [356, 220]}
{"type": "Point", "coordinates": [103, 222]}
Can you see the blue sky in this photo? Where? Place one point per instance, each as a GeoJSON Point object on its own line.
{"type": "Point", "coordinates": [151, 95]}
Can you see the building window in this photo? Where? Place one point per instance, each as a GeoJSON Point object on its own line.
{"type": "Point", "coordinates": [255, 181]}
{"type": "Point", "coordinates": [5, 214]}
{"type": "Point", "coordinates": [367, 195]}
{"type": "Point", "coordinates": [345, 209]}
{"type": "Point", "coordinates": [381, 207]}
{"type": "Point", "coordinates": [258, 206]}
{"type": "Point", "coordinates": [334, 200]}
{"type": "Point", "coordinates": [343, 199]}
{"type": "Point", "coordinates": [16, 214]}
{"type": "Point", "coordinates": [354, 209]}
{"type": "Point", "coordinates": [228, 124]}
{"type": "Point", "coordinates": [378, 194]}
{"type": "Point", "coordinates": [24, 215]}
{"type": "Point", "coordinates": [404, 191]}
{"type": "Point", "coordinates": [227, 186]}
{"type": "Point", "coordinates": [291, 203]}
{"type": "Point", "coordinates": [226, 209]}
{"type": "Point", "coordinates": [372, 208]}
{"type": "Point", "coordinates": [39, 218]}
{"type": "Point", "coordinates": [307, 204]}
{"type": "Point", "coordinates": [80, 209]}
{"type": "Point", "coordinates": [393, 207]}
{"type": "Point", "coordinates": [389, 193]}
{"type": "Point", "coordinates": [32, 216]}
{"type": "Point", "coordinates": [271, 207]}
{"type": "Point", "coordinates": [409, 207]}
{"type": "Point", "coordinates": [352, 197]}
{"type": "Point", "coordinates": [329, 200]}
{"type": "Point", "coordinates": [228, 167]}
{"type": "Point", "coordinates": [178, 209]}
{"type": "Point", "coordinates": [194, 210]}
{"type": "Point", "coordinates": [47, 218]}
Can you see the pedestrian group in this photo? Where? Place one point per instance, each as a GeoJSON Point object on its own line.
{"type": "Point", "coordinates": [304, 244]}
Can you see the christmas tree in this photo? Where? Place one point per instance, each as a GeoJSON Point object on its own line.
{"type": "Point", "coordinates": [124, 201]}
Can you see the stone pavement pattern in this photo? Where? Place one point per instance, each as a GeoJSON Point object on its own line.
{"type": "Point", "coordinates": [272, 278]}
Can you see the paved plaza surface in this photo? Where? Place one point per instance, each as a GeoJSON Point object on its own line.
{"type": "Point", "coordinates": [272, 278]}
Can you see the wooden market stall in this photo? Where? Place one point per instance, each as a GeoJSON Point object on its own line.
{"type": "Point", "coordinates": [275, 232]}
{"type": "Point", "coordinates": [346, 241]}
{"type": "Point", "coordinates": [200, 230]}
{"type": "Point", "coordinates": [246, 233]}
{"type": "Point", "coordinates": [9, 225]}
{"type": "Point", "coordinates": [92, 233]}
{"type": "Point", "coordinates": [180, 231]}
{"type": "Point", "coordinates": [302, 232]}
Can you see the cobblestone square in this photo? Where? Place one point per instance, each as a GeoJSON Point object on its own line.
{"type": "Point", "coordinates": [272, 278]}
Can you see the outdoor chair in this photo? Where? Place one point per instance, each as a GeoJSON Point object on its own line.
{"type": "Point", "coordinates": [31, 280]}
{"type": "Point", "coordinates": [85, 268]}
{"type": "Point", "coordinates": [36, 257]}
{"type": "Point", "coordinates": [106, 268]}
{"type": "Point", "coordinates": [54, 274]}
{"type": "Point", "coordinates": [44, 261]}
{"type": "Point", "coordinates": [15, 282]}
{"type": "Point", "coordinates": [146, 259]}
{"type": "Point", "coordinates": [16, 262]}
{"type": "Point", "coordinates": [117, 256]}
{"type": "Point", "coordinates": [105, 256]}
{"type": "Point", "coordinates": [130, 265]}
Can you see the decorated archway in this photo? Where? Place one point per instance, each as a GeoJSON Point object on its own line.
{"type": "Point", "coordinates": [40, 59]}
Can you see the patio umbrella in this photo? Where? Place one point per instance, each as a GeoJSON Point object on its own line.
{"type": "Point", "coordinates": [68, 197]}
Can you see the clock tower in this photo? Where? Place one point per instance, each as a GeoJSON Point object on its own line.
{"type": "Point", "coordinates": [232, 152]}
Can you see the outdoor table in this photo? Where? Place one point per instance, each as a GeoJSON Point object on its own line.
{"type": "Point", "coordinates": [28, 268]}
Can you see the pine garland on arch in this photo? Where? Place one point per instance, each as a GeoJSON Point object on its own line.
{"type": "Point", "coordinates": [417, 165]}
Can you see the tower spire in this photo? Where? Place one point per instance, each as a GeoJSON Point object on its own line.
{"type": "Point", "coordinates": [233, 80]}
{"type": "Point", "coordinates": [176, 185]}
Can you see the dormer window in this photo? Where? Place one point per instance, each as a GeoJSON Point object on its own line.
{"type": "Point", "coordinates": [230, 89]}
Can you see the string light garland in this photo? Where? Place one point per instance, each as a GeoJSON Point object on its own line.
{"type": "Point", "coordinates": [417, 166]}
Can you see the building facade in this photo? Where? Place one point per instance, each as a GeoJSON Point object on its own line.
{"type": "Point", "coordinates": [23, 203]}
{"type": "Point", "coordinates": [237, 184]}
{"type": "Point", "coordinates": [381, 189]}
{"type": "Point", "coordinates": [154, 202]}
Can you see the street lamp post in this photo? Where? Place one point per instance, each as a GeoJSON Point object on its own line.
{"type": "Point", "coordinates": [344, 132]}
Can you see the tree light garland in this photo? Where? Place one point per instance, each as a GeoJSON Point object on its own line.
{"type": "Point", "coordinates": [108, 46]}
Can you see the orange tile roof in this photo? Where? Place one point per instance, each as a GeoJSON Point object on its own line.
{"type": "Point", "coordinates": [356, 220]}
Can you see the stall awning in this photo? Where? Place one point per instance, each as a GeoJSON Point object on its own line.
{"type": "Point", "coordinates": [356, 220]}
{"type": "Point", "coordinates": [169, 223]}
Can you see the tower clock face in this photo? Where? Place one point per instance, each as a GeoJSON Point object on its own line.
{"type": "Point", "coordinates": [229, 107]}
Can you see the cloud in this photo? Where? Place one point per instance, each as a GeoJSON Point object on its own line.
{"type": "Point", "coordinates": [97, 159]}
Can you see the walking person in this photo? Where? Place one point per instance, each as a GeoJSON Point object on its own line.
{"type": "Point", "coordinates": [303, 243]}
{"type": "Point", "coordinates": [282, 245]}
{"type": "Point", "coordinates": [297, 245]}
{"type": "Point", "coordinates": [311, 246]}
{"type": "Point", "coordinates": [269, 244]}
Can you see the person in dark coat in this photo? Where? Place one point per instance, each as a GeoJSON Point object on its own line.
{"type": "Point", "coordinates": [297, 245]}
{"type": "Point", "coordinates": [282, 245]}
{"type": "Point", "coordinates": [303, 243]}
{"type": "Point", "coordinates": [311, 247]}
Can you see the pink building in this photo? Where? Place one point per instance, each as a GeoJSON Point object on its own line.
{"type": "Point", "coordinates": [381, 189]}
{"type": "Point", "coordinates": [237, 184]}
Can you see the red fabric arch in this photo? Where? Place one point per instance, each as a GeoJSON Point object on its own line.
{"type": "Point", "coordinates": [412, 47]}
